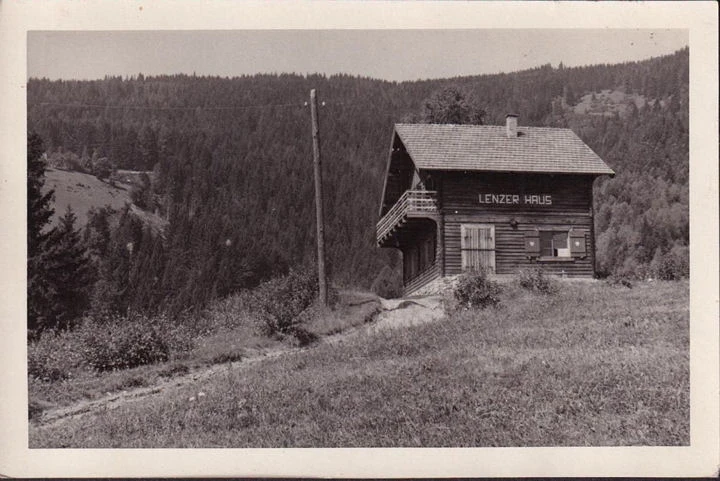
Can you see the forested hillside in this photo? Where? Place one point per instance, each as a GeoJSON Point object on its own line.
{"type": "Point", "coordinates": [231, 163]}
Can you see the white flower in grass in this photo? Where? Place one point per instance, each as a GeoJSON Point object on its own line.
{"type": "Point", "coordinates": [192, 398]}
{"type": "Point", "coordinates": [201, 394]}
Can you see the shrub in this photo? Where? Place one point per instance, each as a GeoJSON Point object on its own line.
{"type": "Point", "coordinates": [536, 280]}
{"type": "Point", "coordinates": [133, 382]}
{"type": "Point", "coordinates": [179, 333]}
{"type": "Point", "coordinates": [619, 281]}
{"type": "Point", "coordinates": [36, 409]}
{"type": "Point", "coordinates": [279, 302]}
{"type": "Point", "coordinates": [227, 357]}
{"type": "Point", "coordinates": [102, 168]}
{"type": "Point", "coordinates": [388, 283]}
{"type": "Point", "coordinates": [474, 289]}
{"type": "Point", "coordinates": [302, 336]}
{"type": "Point", "coordinates": [54, 356]}
{"type": "Point", "coordinates": [174, 370]}
{"type": "Point", "coordinates": [228, 313]}
{"type": "Point", "coordinates": [672, 265]}
{"type": "Point", "coordinates": [119, 342]}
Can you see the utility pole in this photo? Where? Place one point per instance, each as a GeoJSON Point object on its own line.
{"type": "Point", "coordinates": [322, 282]}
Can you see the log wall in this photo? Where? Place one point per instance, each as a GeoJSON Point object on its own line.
{"type": "Point", "coordinates": [571, 207]}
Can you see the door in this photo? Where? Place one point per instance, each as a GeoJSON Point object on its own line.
{"type": "Point", "coordinates": [477, 244]}
{"type": "Point", "coordinates": [411, 258]}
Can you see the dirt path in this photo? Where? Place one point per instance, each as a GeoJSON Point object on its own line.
{"type": "Point", "coordinates": [395, 313]}
{"type": "Point", "coordinates": [111, 401]}
{"type": "Point", "coordinates": [398, 313]}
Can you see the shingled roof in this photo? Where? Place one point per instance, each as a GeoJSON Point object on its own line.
{"type": "Point", "coordinates": [488, 148]}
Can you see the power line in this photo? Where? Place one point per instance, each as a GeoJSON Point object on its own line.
{"type": "Point", "coordinates": [200, 107]}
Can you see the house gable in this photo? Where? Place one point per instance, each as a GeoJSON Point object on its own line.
{"type": "Point", "coordinates": [399, 173]}
{"type": "Point", "coordinates": [483, 148]}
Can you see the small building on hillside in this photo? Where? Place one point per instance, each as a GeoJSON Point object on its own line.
{"type": "Point", "coordinates": [503, 198]}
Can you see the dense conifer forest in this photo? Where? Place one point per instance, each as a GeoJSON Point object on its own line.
{"type": "Point", "coordinates": [229, 165]}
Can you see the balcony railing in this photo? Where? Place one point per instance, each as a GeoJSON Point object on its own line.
{"type": "Point", "coordinates": [413, 203]}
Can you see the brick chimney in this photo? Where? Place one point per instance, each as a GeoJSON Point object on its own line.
{"type": "Point", "coordinates": [511, 125]}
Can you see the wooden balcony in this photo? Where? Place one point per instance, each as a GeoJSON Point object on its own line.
{"type": "Point", "coordinates": [412, 204]}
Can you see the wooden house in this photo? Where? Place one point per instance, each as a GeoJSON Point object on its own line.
{"type": "Point", "coordinates": [503, 198]}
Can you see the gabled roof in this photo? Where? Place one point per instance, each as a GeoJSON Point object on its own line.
{"type": "Point", "coordinates": [487, 148]}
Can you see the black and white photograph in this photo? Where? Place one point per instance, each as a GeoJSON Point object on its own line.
{"type": "Point", "coordinates": [378, 237]}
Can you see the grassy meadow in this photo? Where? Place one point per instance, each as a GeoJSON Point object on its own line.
{"type": "Point", "coordinates": [591, 365]}
{"type": "Point", "coordinates": [82, 192]}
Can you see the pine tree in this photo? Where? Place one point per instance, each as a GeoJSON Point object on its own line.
{"type": "Point", "coordinates": [59, 271]}
{"type": "Point", "coordinates": [113, 289]}
{"type": "Point", "coordinates": [69, 271]}
{"type": "Point", "coordinates": [97, 232]}
{"type": "Point", "coordinates": [39, 205]}
{"type": "Point", "coordinates": [39, 212]}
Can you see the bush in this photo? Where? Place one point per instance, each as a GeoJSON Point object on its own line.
{"type": "Point", "coordinates": [229, 313]}
{"type": "Point", "coordinates": [536, 280]}
{"type": "Point", "coordinates": [54, 356]}
{"type": "Point", "coordinates": [36, 409]}
{"type": "Point", "coordinates": [102, 168]}
{"type": "Point", "coordinates": [302, 336]}
{"type": "Point", "coordinates": [672, 265]}
{"type": "Point", "coordinates": [119, 342]}
{"type": "Point", "coordinates": [107, 343]}
{"type": "Point", "coordinates": [474, 289]}
{"type": "Point", "coordinates": [278, 303]}
{"type": "Point", "coordinates": [388, 283]}
{"type": "Point", "coordinates": [617, 281]}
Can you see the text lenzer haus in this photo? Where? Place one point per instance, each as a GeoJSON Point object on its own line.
{"type": "Point", "coordinates": [461, 197]}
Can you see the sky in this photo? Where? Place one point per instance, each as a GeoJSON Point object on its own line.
{"type": "Point", "coordinates": [395, 55]}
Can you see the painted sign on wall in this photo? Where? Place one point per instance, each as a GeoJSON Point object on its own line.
{"type": "Point", "coordinates": [516, 199]}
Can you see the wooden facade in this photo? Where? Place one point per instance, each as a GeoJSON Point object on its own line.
{"type": "Point", "coordinates": [446, 220]}
{"type": "Point", "coordinates": [570, 211]}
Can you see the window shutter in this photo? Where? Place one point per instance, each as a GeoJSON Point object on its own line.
{"type": "Point", "coordinates": [577, 242]}
{"type": "Point", "coordinates": [532, 244]}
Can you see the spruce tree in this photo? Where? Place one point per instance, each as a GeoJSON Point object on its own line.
{"type": "Point", "coordinates": [39, 212]}
{"type": "Point", "coordinates": [59, 271]}
{"type": "Point", "coordinates": [69, 271]}
{"type": "Point", "coordinates": [113, 290]}
{"type": "Point", "coordinates": [39, 205]}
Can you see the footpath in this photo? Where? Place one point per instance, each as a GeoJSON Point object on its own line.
{"type": "Point", "coordinates": [393, 314]}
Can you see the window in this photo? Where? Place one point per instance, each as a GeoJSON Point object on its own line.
{"type": "Point", "coordinates": [554, 244]}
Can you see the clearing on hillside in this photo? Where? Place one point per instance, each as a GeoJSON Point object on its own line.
{"type": "Point", "coordinates": [82, 192]}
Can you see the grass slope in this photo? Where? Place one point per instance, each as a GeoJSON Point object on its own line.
{"type": "Point", "coordinates": [83, 191]}
{"type": "Point", "coordinates": [595, 365]}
